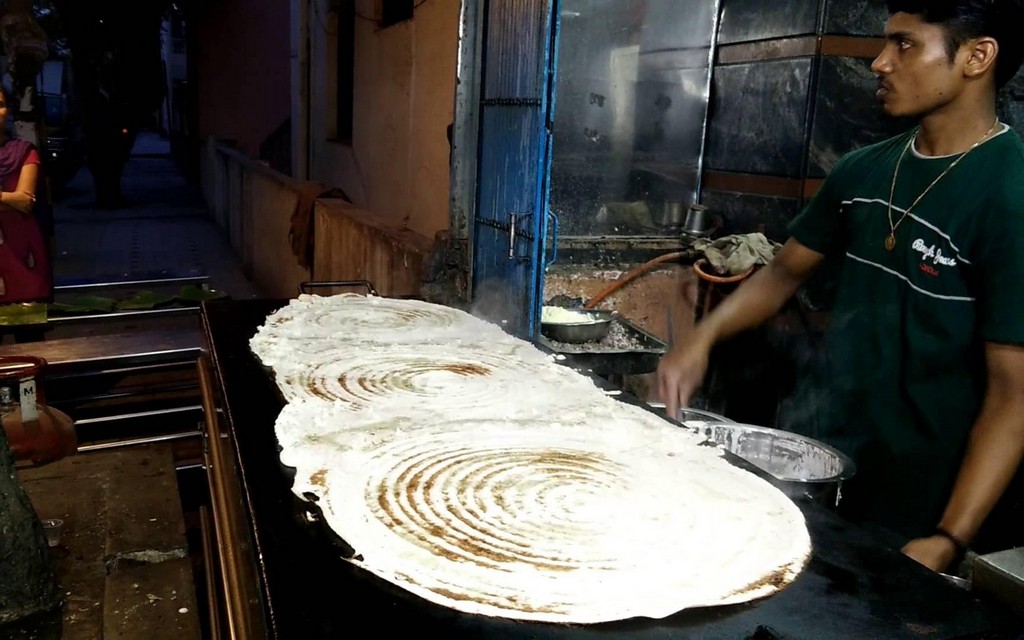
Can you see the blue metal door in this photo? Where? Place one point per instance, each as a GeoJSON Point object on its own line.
{"type": "Point", "coordinates": [514, 143]}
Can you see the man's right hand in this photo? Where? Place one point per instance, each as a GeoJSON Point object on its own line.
{"type": "Point", "coordinates": [757, 299]}
{"type": "Point", "coordinates": [680, 372]}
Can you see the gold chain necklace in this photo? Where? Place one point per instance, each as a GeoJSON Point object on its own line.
{"type": "Point", "coordinates": [890, 240]}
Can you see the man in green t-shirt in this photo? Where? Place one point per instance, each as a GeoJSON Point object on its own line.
{"type": "Point", "coordinates": [923, 375]}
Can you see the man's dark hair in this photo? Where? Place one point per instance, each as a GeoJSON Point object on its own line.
{"type": "Point", "coordinates": [966, 19]}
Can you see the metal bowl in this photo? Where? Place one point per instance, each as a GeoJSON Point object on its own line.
{"type": "Point", "coordinates": [592, 331]}
{"type": "Point", "coordinates": [803, 467]}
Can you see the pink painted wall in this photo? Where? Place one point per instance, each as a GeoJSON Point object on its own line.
{"type": "Point", "coordinates": [242, 69]}
{"type": "Point", "coordinates": [396, 164]}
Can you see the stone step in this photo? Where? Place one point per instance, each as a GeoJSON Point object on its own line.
{"type": "Point", "coordinates": [123, 562]}
{"type": "Point", "coordinates": [153, 601]}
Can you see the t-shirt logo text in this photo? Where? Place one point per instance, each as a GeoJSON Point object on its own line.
{"type": "Point", "coordinates": [932, 252]}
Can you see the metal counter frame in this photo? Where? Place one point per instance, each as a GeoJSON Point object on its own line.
{"type": "Point", "coordinates": [240, 594]}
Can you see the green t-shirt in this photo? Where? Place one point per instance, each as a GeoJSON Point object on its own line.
{"type": "Point", "coordinates": [903, 372]}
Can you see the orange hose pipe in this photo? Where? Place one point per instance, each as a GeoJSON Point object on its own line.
{"type": "Point", "coordinates": [698, 268]}
{"type": "Point", "coordinates": [629, 276]}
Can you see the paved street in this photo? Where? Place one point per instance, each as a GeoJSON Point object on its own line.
{"type": "Point", "coordinates": [162, 231]}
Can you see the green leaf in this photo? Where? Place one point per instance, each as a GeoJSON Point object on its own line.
{"type": "Point", "coordinates": [85, 304]}
{"type": "Point", "coordinates": [22, 313]}
{"type": "Point", "coordinates": [192, 293]}
{"type": "Point", "coordinates": [144, 300]}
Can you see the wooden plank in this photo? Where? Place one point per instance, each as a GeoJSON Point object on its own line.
{"type": "Point", "coordinates": [851, 46]}
{"type": "Point", "coordinates": [800, 47]}
{"type": "Point", "coordinates": [758, 184]}
{"type": "Point", "coordinates": [155, 345]}
{"type": "Point", "coordinates": [811, 186]}
{"type": "Point", "coordinates": [762, 50]}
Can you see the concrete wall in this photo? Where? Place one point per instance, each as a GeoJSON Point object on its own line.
{"type": "Point", "coordinates": [259, 209]}
{"type": "Point", "coordinates": [241, 70]}
{"type": "Point", "coordinates": [352, 244]}
{"type": "Point", "coordinates": [404, 84]}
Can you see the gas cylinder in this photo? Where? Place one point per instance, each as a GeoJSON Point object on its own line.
{"type": "Point", "coordinates": [36, 433]}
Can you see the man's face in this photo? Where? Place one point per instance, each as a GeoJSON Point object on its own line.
{"type": "Point", "coordinates": [915, 75]}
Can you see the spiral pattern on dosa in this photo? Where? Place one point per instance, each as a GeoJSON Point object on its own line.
{"type": "Point", "coordinates": [370, 319]}
{"type": "Point", "coordinates": [310, 325]}
{"type": "Point", "coordinates": [560, 523]}
{"type": "Point", "coordinates": [368, 315]}
{"type": "Point", "coordinates": [499, 506]}
{"type": "Point", "coordinates": [424, 373]}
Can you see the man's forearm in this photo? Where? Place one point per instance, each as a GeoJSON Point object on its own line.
{"type": "Point", "coordinates": [993, 454]}
{"type": "Point", "coordinates": [994, 451]}
{"type": "Point", "coordinates": [754, 302]}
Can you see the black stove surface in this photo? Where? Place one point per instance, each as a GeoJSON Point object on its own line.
{"type": "Point", "coordinates": [853, 587]}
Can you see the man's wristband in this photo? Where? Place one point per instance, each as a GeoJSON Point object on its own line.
{"type": "Point", "coordinates": [961, 547]}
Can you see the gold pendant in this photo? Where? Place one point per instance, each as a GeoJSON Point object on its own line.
{"type": "Point", "coordinates": [890, 242]}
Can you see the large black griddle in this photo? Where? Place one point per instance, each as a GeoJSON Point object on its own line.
{"type": "Point", "coordinates": [853, 586]}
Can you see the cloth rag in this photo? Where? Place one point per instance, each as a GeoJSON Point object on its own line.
{"type": "Point", "coordinates": [301, 228]}
{"type": "Point", "coordinates": [737, 253]}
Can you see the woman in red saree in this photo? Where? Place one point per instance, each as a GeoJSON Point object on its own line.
{"type": "Point", "coordinates": [25, 274]}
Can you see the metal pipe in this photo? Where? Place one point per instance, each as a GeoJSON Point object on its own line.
{"type": "Point", "coordinates": [120, 315]}
{"type": "Point", "coordinates": [706, 124]}
{"type": "Point", "coordinates": [810, 111]}
{"type": "Point", "coordinates": [140, 414]}
{"type": "Point", "coordinates": [512, 236]}
{"type": "Point", "coordinates": [240, 620]}
{"type": "Point", "coordinates": [211, 584]}
{"type": "Point", "coordinates": [133, 283]}
{"type": "Point", "coordinates": [120, 444]}
{"type": "Point", "coordinates": [142, 368]}
{"type": "Point", "coordinates": [124, 394]}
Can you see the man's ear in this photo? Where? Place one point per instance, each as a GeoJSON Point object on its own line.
{"type": "Point", "coordinates": [982, 54]}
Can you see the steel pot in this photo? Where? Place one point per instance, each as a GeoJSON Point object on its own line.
{"type": "Point", "coordinates": [672, 215]}
{"type": "Point", "coordinates": [802, 467]}
{"type": "Point", "coordinates": [699, 222]}
{"type": "Point", "coordinates": [595, 328]}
